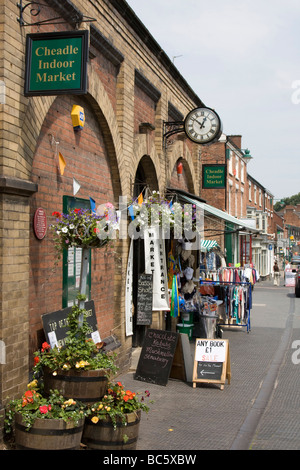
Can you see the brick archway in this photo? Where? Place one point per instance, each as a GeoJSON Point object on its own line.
{"type": "Point", "coordinates": [181, 152]}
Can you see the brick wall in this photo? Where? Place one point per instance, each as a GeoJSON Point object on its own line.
{"type": "Point", "coordinates": [14, 327]}
{"type": "Point", "coordinates": [214, 154]}
{"type": "Point", "coordinates": [87, 161]}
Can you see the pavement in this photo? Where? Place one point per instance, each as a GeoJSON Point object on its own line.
{"type": "Point", "coordinates": [258, 410]}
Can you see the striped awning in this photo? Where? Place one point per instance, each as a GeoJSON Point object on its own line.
{"type": "Point", "coordinates": [208, 244]}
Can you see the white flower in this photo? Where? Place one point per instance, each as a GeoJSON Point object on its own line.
{"type": "Point", "coordinates": [71, 226]}
{"type": "Point", "coordinates": [64, 229]}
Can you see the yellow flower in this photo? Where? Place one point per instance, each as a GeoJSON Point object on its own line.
{"type": "Point", "coordinates": [81, 364]}
{"type": "Point", "coordinates": [95, 419]}
{"type": "Point", "coordinates": [108, 408]}
{"type": "Point", "coordinates": [70, 402]}
{"type": "Point", "coordinates": [32, 384]}
{"type": "Point", "coordinates": [100, 406]}
{"type": "Point", "coordinates": [54, 373]}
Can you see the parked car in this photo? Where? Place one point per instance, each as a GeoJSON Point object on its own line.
{"type": "Point", "coordinates": [296, 269]}
{"type": "Point", "coordinates": [297, 282]}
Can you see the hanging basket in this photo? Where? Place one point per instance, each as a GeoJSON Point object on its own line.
{"type": "Point", "coordinates": [86, 386]}
{"type": "Point", "coordinates": [81, 228]}
{"type": "Point", "coordinates": [48, 434]}
{"type": "Point", "coordinates": [103, 436]}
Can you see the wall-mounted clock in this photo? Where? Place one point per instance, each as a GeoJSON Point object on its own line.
{"type": "Point", "coordinates": [203, 125]}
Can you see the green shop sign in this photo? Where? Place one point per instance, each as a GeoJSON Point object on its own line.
{"type": "Point", "coordinates": [213, 176]}
{"type": "Point", "coordinates": [56, 63]}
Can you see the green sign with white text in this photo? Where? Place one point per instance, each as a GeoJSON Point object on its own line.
{"type": "Point", "coordinates": [56, 63]}
{"type": "Point", "coordinates": [213, 176]}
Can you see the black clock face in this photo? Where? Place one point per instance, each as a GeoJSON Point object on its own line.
{"type": "Point", "coordinates": [202, 125]}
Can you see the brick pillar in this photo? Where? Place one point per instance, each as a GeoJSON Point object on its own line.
{"type": "Point", "coordinates": [14, 280]}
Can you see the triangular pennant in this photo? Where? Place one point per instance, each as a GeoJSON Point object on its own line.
{"type": "Point", "coordinates": [62, 163]}
{"type": "Point", "coordinates": [76, 186]}
{"type": "Point", "coordinates": [93, 205]}
{"type": "Point", "coordinates": [140, 199]}
{"type": "Point", "coordinates": [131, 212]}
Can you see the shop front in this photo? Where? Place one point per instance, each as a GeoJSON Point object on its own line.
{"type": "Point", "coordinates": [190, 264]}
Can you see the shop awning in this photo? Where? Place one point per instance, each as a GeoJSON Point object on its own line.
{"type": "Point", "coordinates": [220, 214]}
{"type": "Point", "coordinates": [208, 244]}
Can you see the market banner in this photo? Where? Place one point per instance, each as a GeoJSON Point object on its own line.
{"type": "Point", "coordinates": [128, 292]}
{"type": "Point", "coordinates": [155, 264]}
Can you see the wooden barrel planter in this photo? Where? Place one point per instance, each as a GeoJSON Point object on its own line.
{"type": "Point", "coordinates": [103, 436]}
{"type": "Point", "coordinates": [87, 386]}
{"type": "Point", "coordinates": [48, 434]}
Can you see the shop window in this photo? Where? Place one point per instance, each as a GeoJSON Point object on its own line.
{"type": "Point", "coordinates": [230, 163]}
{"type": "Point", "coordinates": [237, 167]}
{"type": "Point", "coordinates": [72, 259]}
{"type": "Point", "coordinates": [242, 172]}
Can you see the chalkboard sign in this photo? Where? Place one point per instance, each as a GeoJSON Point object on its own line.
{"type": "Point", "coordinates": [56, 325]}
{"type": "Point", "coordinates": [212, 361]}
{"type": "Point", "coordinates": [209, 370]}
{"type": "Point", "coordinates": [144, 299]}
{"type": "Point", "coordinates": [156, 357]}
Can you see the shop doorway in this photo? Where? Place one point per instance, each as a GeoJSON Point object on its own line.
{"type": "Point", "coordinates": [145, 178]}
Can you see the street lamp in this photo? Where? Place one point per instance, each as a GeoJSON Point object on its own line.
{"type": "Point", "coordinates": [246, 155]}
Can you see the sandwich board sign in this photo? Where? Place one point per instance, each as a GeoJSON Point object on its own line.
{"type": "Point", "coordinates": [211, 362]}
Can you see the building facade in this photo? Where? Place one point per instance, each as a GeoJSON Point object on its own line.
{"type": "Point", "coordinates": [133, 88]}
{"type": "Point", "coordinates": [260, 211]}
{"type": "Point", "coordinates": [290, 240]}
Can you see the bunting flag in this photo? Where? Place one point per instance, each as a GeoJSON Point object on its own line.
{"type": "Point", "coordinates": [62, 163]}
{"type": "Point", "coordinates": [76, 186]}
{"type": "Point", "coordinates": [174, 310]}
{"type": "Point", "coordinates": [93, 205]}
{"type": "Point", "coordinates": [131, 212]}
{"type": "Point", "coordinates": [140, 199]}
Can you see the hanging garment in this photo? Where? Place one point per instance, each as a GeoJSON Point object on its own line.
{"type": "Point", "coordinates": [174, 308]}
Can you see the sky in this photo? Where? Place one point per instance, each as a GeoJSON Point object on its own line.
{"type": "Point", "coordinates": [242, 58]}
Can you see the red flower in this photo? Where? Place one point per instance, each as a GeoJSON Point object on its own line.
{"type": "Point", "coordinates": [36, 360]}
{"type": "Point", "coordinates": [56, 214]}
{"type": "Point", "coordinates": [76, 211]}
{"type": "Point", "coordinates": [28, 397]}
{"type": "Point", "coordinates": [44, 409]}
{"type": "Point", "coordinates": [45, 346]}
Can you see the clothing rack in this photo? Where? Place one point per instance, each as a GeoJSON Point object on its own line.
{"type": "Point", "coordinates": [241, 272]}
{"type": "Point", "coordinates": [249, 299]}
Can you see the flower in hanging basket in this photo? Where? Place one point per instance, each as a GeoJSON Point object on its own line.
{"type": "Point", "coordinates": [182, 221]}
{"type": "Point", "coordinates": [116, 404]}
{"type": "Point", "coordinates": [84, 229]}
{"type": "Point", "coordinates": [33, 405]}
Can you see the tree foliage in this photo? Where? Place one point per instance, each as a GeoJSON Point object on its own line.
{"type": "Point", "coordinates": [287, 201]}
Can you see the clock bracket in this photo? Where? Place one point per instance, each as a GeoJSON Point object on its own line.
{"type": "Point", "coordinates": [70, 13]}
{"type": "Point", "coordinates": [171, 128]}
